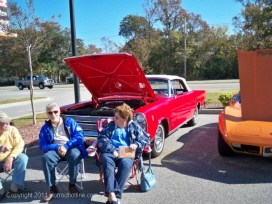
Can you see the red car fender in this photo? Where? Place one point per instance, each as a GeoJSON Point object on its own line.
{"type": "Point", "coordinates": [152, 126]}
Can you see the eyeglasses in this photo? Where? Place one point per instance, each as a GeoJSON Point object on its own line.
{"type": "Point", "coordinates": [51, 112]}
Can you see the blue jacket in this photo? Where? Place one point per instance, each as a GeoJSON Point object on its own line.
{"type": "Point", "coordinates": [73, 131]}
{"type": "Point", "coordinates": [135, 133]}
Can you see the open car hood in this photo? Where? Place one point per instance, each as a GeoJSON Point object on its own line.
{"type": "Point", "coordinates": [111, 74]}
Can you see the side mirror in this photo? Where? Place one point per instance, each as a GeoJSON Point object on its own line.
{"type": "Point", "coordinates": [179, 92]}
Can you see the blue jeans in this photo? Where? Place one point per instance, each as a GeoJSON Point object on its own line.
{"type": "Point", "coordinates": [50, 160]}
{"type": "Point", "coordinates": [19, 166]}
{"type": "Point", "coordinates": [115, 182]}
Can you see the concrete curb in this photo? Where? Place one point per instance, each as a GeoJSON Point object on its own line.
{"type": "Point", "coordinates": [210, 111]}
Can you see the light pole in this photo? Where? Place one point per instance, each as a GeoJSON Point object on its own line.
{"type": "Point", "coordinates": [74, 51]}
{"type": "Point", "coordinates": [185, 36]}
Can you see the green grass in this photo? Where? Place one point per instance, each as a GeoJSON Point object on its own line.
{"type": "Point", "coordinates": [28, 120]}
{"type": "Point", "coordinates": [212, 96]}
{"type": "Point", "coordinates": [229, 82]}
{"type": "Point", "coordinates": [67, 86]}
{"type": "Point", "coordinates": [18, 100]}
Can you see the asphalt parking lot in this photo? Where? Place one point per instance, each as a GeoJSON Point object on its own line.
{"type": "Point", "coordinates": [189, 171]}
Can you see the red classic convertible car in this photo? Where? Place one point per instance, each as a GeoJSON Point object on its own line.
{"type": "Point", "coordinates": [161, 103]}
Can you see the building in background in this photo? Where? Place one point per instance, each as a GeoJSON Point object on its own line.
{"type": "Point", "coordinates": [4, 21]}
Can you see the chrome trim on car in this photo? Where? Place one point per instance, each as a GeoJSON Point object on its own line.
{"type": "Point", "coordinates": [143, 123]}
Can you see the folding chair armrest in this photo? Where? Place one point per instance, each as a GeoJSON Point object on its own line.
{"type": "Point", "coordinates": [147, 149]}
{"type": "Point", "coordinates": [91, 152]}
{"type": "Point", "coordinates": [92, 149]}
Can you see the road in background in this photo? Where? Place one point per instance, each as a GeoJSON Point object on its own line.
{"type": "Point", "coordinates": [214, 84]}
{"type": "Point", "coordinates": [64, 95]}
{"type": "Point", "coordinates": [60, 94]}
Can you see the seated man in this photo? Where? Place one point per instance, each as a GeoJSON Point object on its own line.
{"type": "Point", "coordinates": [60, 139]}
{"type": "Point", "coordinates": [11, 155]}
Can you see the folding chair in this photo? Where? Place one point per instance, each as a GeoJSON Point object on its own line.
{"type": "Point", "coordinates": [135, 168]}
{"type": "Point", "coordinates": [5, 175]}
{"type": "Point", "coordinates": [64, 172]}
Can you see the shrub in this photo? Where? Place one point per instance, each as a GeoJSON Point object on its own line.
{"type": "Point", "coordinates": [7, 83]}
{"type": "Point", "coordinates": [70, 80]}
{"type": "Point", "coordinates": [208, 100]}
{"type": "Point", "coordinates": [225, 97]}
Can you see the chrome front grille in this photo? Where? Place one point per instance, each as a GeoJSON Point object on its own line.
{"type": "Point", "coordinates": [87, 123]}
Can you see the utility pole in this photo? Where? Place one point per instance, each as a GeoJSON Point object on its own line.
{"type": "Point", "coordinates": [74, 51]}
{"type": "Point", "coordinates": [185, 36]}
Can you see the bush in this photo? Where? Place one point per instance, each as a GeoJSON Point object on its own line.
{"type": "Point", "coordinates": [225, 97]}
{"type": "Point", "coordinates": [7, 83]}
{"type": "Point", "coordinates": [70, 80]}
{"type": "Point", "coordinates": [208, 100]}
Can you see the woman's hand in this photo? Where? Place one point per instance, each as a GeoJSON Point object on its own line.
{"type": "Point", "coordinates": [115, 154]}
{"type": "Point", "coordinates": [133, 147]}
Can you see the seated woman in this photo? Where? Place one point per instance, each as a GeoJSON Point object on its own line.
{"type": "Point", "coordinates": [120, 132]}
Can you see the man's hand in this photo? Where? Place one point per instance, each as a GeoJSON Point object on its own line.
{"type": "Point", "coordinates": [62, 151]}
{"type": "Point", "coordinates": [8, 164]}
{"type": "Point", "coordinates": [4, 148]}
{"type": "Point", "coordinates": [133, 147]}
{"type": "Point", "coordinates": [115, 154]}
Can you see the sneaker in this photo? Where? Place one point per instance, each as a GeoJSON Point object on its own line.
{"type": "Point", "coordinates": [20, 191]}
{"type": "Point", "coordinates": [54, 189]}
{"type": "Point", "coordinates": [49, 196]}
{"type": "Point", "coordinates": [2, 196]}
{"type": "Point", "coordinates": [73, 190]}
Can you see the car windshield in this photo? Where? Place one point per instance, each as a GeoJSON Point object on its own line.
{"type": "Point", "coordinates": [160, 87]}
{"type": "Point", "coordinates": [41, 77]}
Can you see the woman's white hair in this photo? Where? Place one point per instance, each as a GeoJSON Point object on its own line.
{"type": "Point", "coordinates": [51, 105]}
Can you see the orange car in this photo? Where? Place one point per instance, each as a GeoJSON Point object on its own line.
{"type": "Point", "coordinates": [245, 126]}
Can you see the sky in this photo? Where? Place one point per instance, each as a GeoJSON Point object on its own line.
{"type": "Point", "coordinates": [95, 19]}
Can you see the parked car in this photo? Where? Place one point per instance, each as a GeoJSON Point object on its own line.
{"type": "Point", "coordinates": [245, 125]}
{"type": "Point", "coordinates": [161, 103]}
{"type": "Point", "coordinates": [38, 80]}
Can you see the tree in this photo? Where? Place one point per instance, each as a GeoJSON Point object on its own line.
{"type": "Point", "coordinates": [110, 46]}
{"type": "Point", "coordinates": [141, 38]}
{"type": "Point", "coordinates": [58, 47]}
{"type": "Point", "coordinates": [91, 49]}
{"type": "Point", "coordinates": [254, 23]}
{"type": "Point", "coordinates": [31, 35]}
{"type": "Point", "coordinates": [170, 14]}
{"type": "Point", "coordinates": [133, 26]}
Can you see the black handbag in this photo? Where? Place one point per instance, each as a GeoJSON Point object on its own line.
{"type": "Point", "coordinates": [148, 178]}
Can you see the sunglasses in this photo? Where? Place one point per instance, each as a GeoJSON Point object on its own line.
{"type": "Point", "coordinates": [51, 112]}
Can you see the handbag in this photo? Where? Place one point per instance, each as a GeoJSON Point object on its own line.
{"type": "Point", "coordinates": [148, 178]}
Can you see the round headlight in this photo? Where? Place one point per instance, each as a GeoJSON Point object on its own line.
{"type": "Point", "coordinates": [140, 118]}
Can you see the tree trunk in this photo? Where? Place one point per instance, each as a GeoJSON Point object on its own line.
{"type": "Point", "coordinates": [31, 85]}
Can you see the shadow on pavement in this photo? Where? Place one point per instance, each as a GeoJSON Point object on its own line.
{"type": "Point", "coordinates": [198, 157]}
